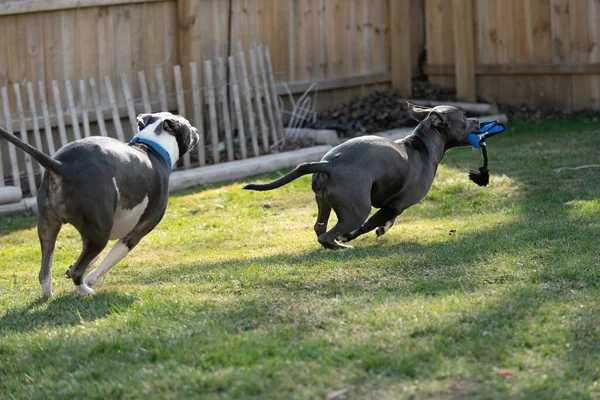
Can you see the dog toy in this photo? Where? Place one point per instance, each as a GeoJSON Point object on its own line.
{"type": "Point", "coordinates": [477, 139]}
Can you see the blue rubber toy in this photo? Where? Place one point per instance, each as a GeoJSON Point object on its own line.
{"type": "Point", "coordinates": [486, 130]}
{"type": "Point", "coordinates": [477, 139]}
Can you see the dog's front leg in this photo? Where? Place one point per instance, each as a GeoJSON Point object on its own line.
{"type": "Point", "coordinates": [116, 254]}
{"type": "Point", "coordinates": [381, 218]}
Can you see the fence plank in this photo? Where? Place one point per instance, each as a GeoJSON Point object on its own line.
{"type": "Point", "coordinates": [464, 48]}
{"type": "Point", "coordinates": [162, 94]}
{"type": "Point", "coordinates": [115, 108]}
{"type": "Point", "coordinates": [62, 131]}
{"type": "Point", "coordinates": [400, 31]}
{"type": "Point", "coordinates": [72, 110]}
{"type": "Point", "coordinates": [198, 120]}
{"type": "Point", "coordinates": [267, 94]}
{"type": "Point", "coordinates": [212, 111]}
{"type": "Point", "coordinates": [248, 102]}
{"type": "Point", "coordinates": [258, 100]}
{"type": "Point", "coordinates": [270, 76]}
{"type": "Point", "coordinates": [12, 152]}
{"type": "Point", "coordinates": [23, 130]}
{"type": "Point", "coordinates": [96, 101]}
{"type": "Point", "coordinates": [45, 114]}
{"type": "Point", "coordinates": [130, 106]}
{"type": "Point", "coordinates": [144, 90]}
{"type": "Point", "coordinates": [2, 184]}
{"type": "Point", "coordinates": [237, 107]}
{"type": "Point", "coordinates": [85, 120]}
{"type": "Point", "coordinates": [34, 119]}
{"type": "Point", "coordinates": [181, 106]}
{"type": "Point", "coordinates": [225, 108]}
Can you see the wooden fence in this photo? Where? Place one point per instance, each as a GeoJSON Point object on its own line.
{"type": "Point", "coordinates": [235, 108]}
{"type": "Point", "coordinates": [344, 43]}
{"type": "Point", "coordinates": [537, 52]}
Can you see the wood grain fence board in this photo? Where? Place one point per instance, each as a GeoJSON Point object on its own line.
{"type": "Point", "coordinates": [72, 110]}
{"type": "Point", "coordinates": [594, 38]}
{"type": "Point", "coordinates": [97, 107]}
{"type": "Point", "coordinates": [23, 134]}
{"type": "Point", "coordinates": [273, 94]}
{"type": "Point", "coordinates": [13, 8]}
{"type": "Point", "coordinates": [85, 120]}
{"type": "Point", "coordinates": [162, 94]}
{"type": "Point", "coordinates": [560, 49]}
{"type": "Point", "coordinates": [112, 102]}
{"type": "Point", "coordinates": [212, 110]}
{"type": "Point", "coordinates": [2, 184]}
{"type": "Point", "coordinates": [46, 116]}
{"type": "Point", "coordinates": [198, 117]}
{"type": "Point", "coordinates": [257, 100]}
{"type": "Point", "coordinates": [579, 49]}
{"type": "Point", "coordinates": [130, 105]}
{"type": "Point", "coordinates": [62, 131]}
{"type": "Point", "coordinates": [181, 106]}
{"type": "Point", "coordinates": [144, 92]}
{"type": "Point", "coordinates": [224, 102]}
{"type": "Point", "coordinates": [245, 84]}
{"type": "Point", "coordinates": [464, 50]}
{"type": "Point", "coordinates": [12, 152]}
{"type": "Point", "coordinates": [34, 118]}
{"type": "Point", "coordinates": [542, 51]}
{"type": "Point", "coordinates": [237, 106]}
{"type": "Point", "coordinates": [267, 94]}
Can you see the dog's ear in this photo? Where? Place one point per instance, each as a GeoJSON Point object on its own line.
{"type": "Point", "coordinates": [418, 113]}
{"type": "Point", "coordinates": [171, 125]}
{"type": "Point", "coordinates": [439, 120]}
{"type": "Point", "coordinates": [142, 121]}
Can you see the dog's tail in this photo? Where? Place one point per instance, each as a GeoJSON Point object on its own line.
{"type": "Point", "coordinates": [302, 169]}
{"type": "Point", "coordinates": [45, 160]}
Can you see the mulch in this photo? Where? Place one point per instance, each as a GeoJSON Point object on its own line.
{"type": "Point", "coordinates": [385, 110]}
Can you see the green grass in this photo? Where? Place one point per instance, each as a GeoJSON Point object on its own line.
{"type": "Point", "coordinates": [475, 292]}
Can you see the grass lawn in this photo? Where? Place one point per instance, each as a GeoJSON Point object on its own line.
{"type": "Point", "coordinates": [475, 292]}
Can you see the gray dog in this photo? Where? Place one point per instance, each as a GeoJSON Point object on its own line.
{"type": "Point", "coordinates": [107, 190]}
{"type": "Point", "coordinates": [371, 171]}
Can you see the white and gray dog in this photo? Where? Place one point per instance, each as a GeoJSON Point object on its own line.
{"type": "Point", "coordinates": [107, 190]}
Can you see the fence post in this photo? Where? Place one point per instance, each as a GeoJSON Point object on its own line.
{"type": "Point", "coordinates": [400, 52]}
{"type": "Point", "coordinates": [464, 49]}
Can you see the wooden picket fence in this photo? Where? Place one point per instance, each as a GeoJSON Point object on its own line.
{"type": "Point", "coordinates": [236, 111]}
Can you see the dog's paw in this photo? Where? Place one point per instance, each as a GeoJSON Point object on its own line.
{"type": "Point", "coordinates": [339, 246]}
{"type": "Point", "coordinates": [68, 273]}
{"type": "Point", "coordinates": [84, 290]}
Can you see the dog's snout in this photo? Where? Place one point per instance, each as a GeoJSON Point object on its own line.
{"type": "Point", "coordinates": [195, 137]}
{"type": "Point", "coordinates": [473, 124]}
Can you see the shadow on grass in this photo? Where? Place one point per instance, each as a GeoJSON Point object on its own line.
{"type": "Point", "coordinates": [65, 310]}
{"type": "Point", "coordinates": [11, 224]}
{"type": "Point", "coordinates": [431, 269]}
{"type": "Point", "coordinates": [219, 342]}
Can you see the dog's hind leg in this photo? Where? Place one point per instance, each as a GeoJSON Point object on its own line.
{"type": "Point", "coordinates": [350, 218]}
{"type": "Point", "coordinates": [384, 219]}
{"type": "Point", "coordinates": [323, 215]}
{"type": "Point", "coordinates": [48, 229]}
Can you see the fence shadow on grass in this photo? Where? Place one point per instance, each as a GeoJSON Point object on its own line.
{"type": "Point", "coordinates": [66, 310]}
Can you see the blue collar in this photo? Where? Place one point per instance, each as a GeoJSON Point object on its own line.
{"type": "Point", "coordinates": [158, 149]}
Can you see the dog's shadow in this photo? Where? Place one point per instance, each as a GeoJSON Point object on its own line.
{"type": "Point", "coordinates": [64, 311]}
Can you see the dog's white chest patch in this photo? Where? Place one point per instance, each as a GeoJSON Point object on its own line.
{"type": "Point", "coordinates": [126, 219]}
